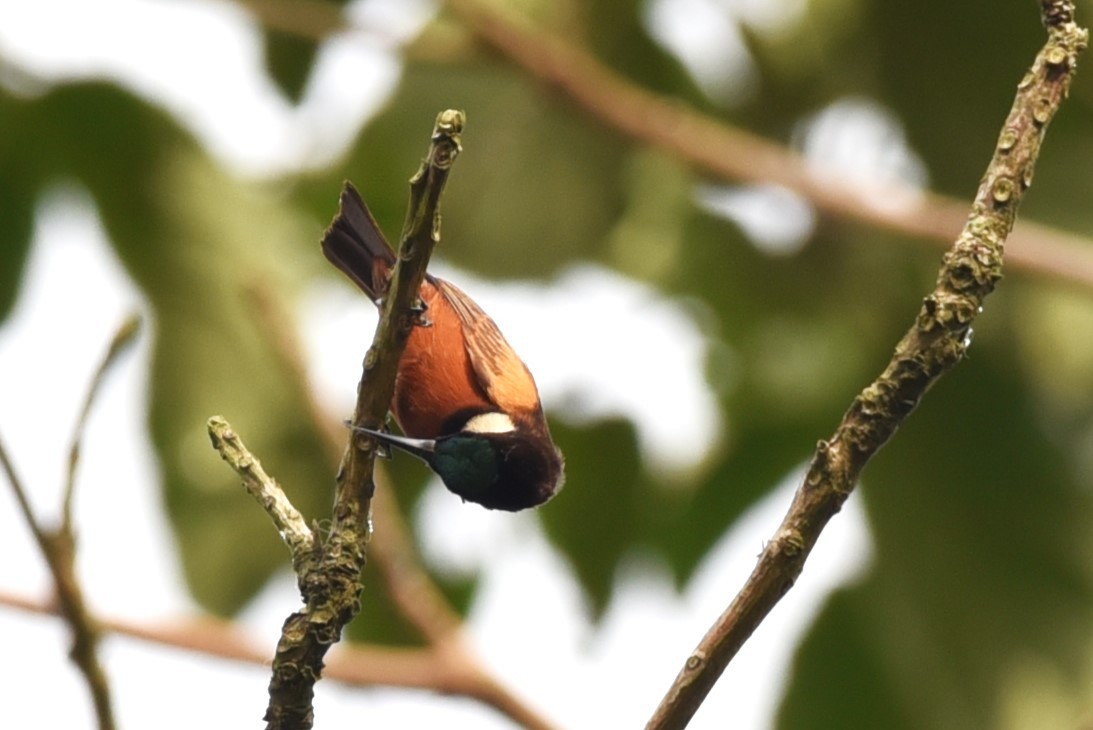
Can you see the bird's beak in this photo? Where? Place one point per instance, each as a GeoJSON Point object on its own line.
{"type": "Point", "coordinates": [423, 449]}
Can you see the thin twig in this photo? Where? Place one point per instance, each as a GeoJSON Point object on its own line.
{"type": "Point", "coordinates": [331, 592]}
{"type": "Point", "coordinates": [933, 345]}
{"type": "Point", "coordinates": [123, 339]}
{"type": "Point", "coordinates": [21, 495]}
{"type": "Point", "coordinates": [354, 665]}
{"type": "Point", "coordinates": [58, 545]}
{"type": "Point", "coordinates": [414, 593]}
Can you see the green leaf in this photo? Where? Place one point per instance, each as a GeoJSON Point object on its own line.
{"type": "Point", "coordinates": [597, 517]}
{"type": "Point", "coordinates": [841, 679]}
{"type": "Point", "coordinates": [16, 228]}
{"type": "Point", "coordinates": [18, 189]}
{"type": "Point", "coordinates": [289, 58]}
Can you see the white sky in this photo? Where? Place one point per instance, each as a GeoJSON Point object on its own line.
{"type": "Point", "coordinates": [75, 296]}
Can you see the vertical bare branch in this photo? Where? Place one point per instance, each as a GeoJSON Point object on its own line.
{"type": "Point", "coordinates": [415, 595]}
{"type": "Point", "coordinates": [331, 591]}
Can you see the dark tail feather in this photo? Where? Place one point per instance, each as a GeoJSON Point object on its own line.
{"type": "Point", "coordinates": [355, 244]}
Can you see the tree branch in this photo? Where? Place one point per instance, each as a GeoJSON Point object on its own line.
{"type": "Point", "coordinates": [353, 665]}
{"type": "Point", "coordinates": [413, 591]}
{"type": "Point", "coordinates": [934, 344]}
{"type": "Point", "coordinates": [58, 545]}
{"type": "Point", "coordinates": [290, 524]}
{"type": "Point", "coordinates": [415, 594]}
{"type": "Point", "coordinates": [709, 144]}
{"type": "Point", "coordinates": [331, 591]}
{"type": "Point", "coordinates": [730, 153]}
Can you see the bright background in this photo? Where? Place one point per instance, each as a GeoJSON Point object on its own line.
{"type": "Point", "coordinates": [652, 360]}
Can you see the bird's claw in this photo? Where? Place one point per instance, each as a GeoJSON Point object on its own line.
{"type": "Point", "coordinates": [419, 307]}
{"type": "Point", "coordinates": [382, 450]}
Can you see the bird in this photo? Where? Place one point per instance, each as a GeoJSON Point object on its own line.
{"type": "Point", "coordinates": [466, 403]}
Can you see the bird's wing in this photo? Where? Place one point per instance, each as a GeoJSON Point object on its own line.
{"type": "Point", "coordinates": [501, 373]}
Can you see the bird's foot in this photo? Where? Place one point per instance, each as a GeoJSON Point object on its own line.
{"type": "Point", "coordinates": [419, 308]}
{"type": "Point", "coordinates": [382, 450]}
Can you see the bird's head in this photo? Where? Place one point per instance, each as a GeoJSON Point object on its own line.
{"type": "Point", "coordinates": [491, 461]}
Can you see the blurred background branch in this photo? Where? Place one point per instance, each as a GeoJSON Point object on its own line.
{"type": "Point", "coordinates": [712, 146]}
{"type": "Point", "coordinates": [58, 545]}
{"type": "Point", "coordinates": [722, 150]}
{"type": "Point", "coordinates": [444, 668]}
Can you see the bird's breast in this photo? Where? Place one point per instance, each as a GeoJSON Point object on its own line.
{"type": "Point", "coordinates": [436, 381]}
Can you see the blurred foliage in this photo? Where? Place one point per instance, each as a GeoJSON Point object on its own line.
{"type": "Point", "coordinates": [979, 507]}
{"type": "Point", "coordinates": [289, 58]}
{"type": "Point", "coordinates": [185, 232]}
{"type": "Point", "coordinates": [623, 496]}
{"type": "Point", "coordinates": [500, 204]}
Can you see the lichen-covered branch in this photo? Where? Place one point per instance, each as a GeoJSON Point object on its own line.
{"type": "Point", "coordinates": [291, 525]}
{"type": "Point", "coordinates": [412, 590]}
{"type": "Point", "coordinates": [935, 343]}
{"type": "Point", "coordinates": [414, 593]}
{"type": "Point", "coordinates": [331, 591]}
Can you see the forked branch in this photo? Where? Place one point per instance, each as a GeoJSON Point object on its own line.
{"type": "Point", "coordinates": [329, 574]}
